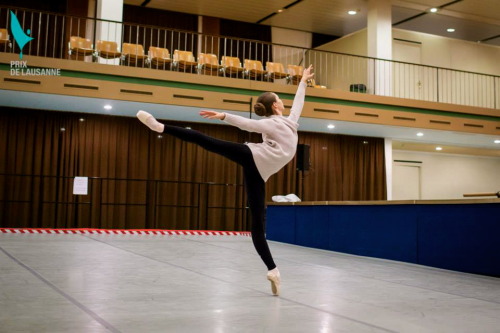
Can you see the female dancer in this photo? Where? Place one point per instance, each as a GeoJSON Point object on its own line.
{"type": "Point", "coordinates": [259, 160]}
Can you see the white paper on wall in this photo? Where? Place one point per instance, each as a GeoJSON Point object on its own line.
{"type": "Point", "coordinates": [81, 185]}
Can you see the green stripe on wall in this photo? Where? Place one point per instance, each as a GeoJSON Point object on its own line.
{"type": "Point", "coordinates": [239, 91]}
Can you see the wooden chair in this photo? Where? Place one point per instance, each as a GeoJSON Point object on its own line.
{"type": "Point", "coordinates": [107, 50]}
{"type": "Point", "coordinates": [4, 40]}
{"type": "Point", "coordinates": [133, 55]}
{"type": "Point", "coordinates": [184, 61]}
{"type": "Point", "coordinates": [208, 64]}
{"type": "Point", "coordinates": [79, 48]}
{"type": "Point", "coordinates": [254, 69]}
{"type": "Point", "coordinates": [231, 67]}
{"type": "Point", "coordinates": [295, 73]}
{"type": "Point", "coordinates": [312, 83]}
{"type": "Point", "coordinates": [276, 70]}
{"type": "Point", "coordinates": [159, 57]}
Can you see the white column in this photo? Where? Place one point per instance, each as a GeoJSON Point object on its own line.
{"type": "Point", "coordinates": [380, 46]}
{"type": "Point", "coordinates": [388, 166]}
{"type": "Point", "coordinates": [110, 10]}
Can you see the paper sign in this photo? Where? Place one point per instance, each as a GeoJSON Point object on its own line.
{"type": "Point", "coordinates": [81, 186]}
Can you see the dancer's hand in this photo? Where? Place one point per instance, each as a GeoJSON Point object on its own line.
{"type": "Point", "coordinates": [212, 114]}
{"type": "Point", "coordinates": [307, 75]}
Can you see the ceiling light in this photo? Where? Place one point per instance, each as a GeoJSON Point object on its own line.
{"type": "Point", "coordinates": [420, 134]}
{"type": "Point", "coordinates": [433, 10]}
{"type": "Point", "coordinates": [160, 136]}
{"type": "Point", "coordinates": [331, 126]}
{"type": "Point", "coordinates": [496, 141]}
{"type": "Point", "coordinates": [352, 12]}
{"type": "Point", "coordinates": [281, 10]}
{"type": "Point", "coordinates": [439, 148]}
{"type": "Point", "coordinates": [450, 30]}
{"type": "Point", "coordinates": [107, 107]}
{"type": "Point", "coordinates": [82, 120]}
{"type": "Point", "coordinates": [63, 129]}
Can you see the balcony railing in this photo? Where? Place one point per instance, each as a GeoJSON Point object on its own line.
{"type": "Point", "coordinates": [69, 37]}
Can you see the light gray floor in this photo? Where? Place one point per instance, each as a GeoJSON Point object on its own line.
{"type": "Point", "coordinates": [153, 283]}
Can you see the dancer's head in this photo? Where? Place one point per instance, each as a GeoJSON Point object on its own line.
{"type": "Point", "coordinates": [268, 104]}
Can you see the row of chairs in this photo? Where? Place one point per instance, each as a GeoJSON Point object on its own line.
{"type": "Point", "coordinates": [4, 39]}
{"type": "Point", "coordinates": [184, 61]}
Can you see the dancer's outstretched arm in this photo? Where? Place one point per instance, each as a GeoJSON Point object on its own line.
{"type": "Point", "coordinates": [249, 125]}
{"type": "Point", "coordinates": [298, 101]}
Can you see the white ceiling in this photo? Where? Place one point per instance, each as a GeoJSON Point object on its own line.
{"type": "Point", "coordinates": [474, 20]}
{"type": "Point", "coordinates": [468, 143]}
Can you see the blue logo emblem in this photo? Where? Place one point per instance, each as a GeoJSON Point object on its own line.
{"type": "Point", "coordinates": [19, 36]}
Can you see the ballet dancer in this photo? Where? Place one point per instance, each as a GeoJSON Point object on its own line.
{"type": "Point", "coordinates": [259, 160]}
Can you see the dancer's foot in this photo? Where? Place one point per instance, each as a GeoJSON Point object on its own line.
{"type": "Point", "coordinates": [274, 276]}
{"type": "Point", "coordinates": [150, 121]}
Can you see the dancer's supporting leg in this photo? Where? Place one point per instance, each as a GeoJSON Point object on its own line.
{"type": "Point", "coordinates": [254, 184]}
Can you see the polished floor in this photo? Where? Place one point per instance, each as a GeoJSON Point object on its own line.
{"type": "Point", "coordinates": [154, 283]}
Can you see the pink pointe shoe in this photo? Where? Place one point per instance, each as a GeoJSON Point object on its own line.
{"type": "Point", "coordinates": [274, 276]}
{"type": "Point", "coordinates": [150, 121]}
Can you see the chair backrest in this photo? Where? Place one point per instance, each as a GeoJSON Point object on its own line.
{"type": "Point", "coordinates": [4, 34]}
{"type": "Point", "coordinates": [230, 62]}
{"type": "Point", "coordinates": [79, 42]}
{"type": "Point", "coordinates": [272, 67]}
{"type": "Point", "coordinates": [207, 58]}
{"type": "Point", "coordinates": [253, 64]}
{"type": "Point", "coordinates": [295, 70]}
{"type": "Point", "coordinates": [135, 49]}
{"type": "Point", "coordinates": [158, 52]}
{"type": "Point", "coordinates": [183, 56]}
{"type": "Point", "coordinates": [104, 45]}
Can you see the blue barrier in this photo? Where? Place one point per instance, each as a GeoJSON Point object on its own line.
{"type": "Point", "coordinates": [462, 237]}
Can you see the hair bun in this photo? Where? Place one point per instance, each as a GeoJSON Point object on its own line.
{"type": "Point", "coordinates": [259, 109]}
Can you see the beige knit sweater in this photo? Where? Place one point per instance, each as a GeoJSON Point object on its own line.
{"type": "Point", "coordinates": [279, 136]}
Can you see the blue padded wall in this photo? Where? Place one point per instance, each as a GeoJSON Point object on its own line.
{"type": "Point", "coordinates": [387, 231]}
{"type": "Point", "coordinates": [462, 237]}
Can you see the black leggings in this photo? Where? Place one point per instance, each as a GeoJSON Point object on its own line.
{"type": "Point", "coordinates": [254, 184]}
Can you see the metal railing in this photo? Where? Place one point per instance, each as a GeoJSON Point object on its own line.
{"type": "Point", "coordinates": [52, 33]}
{"type": "Point", "coordinates": [51, 198]}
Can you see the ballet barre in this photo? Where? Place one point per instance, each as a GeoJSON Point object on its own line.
{"type": "Point", "coordinates": [468, 195]}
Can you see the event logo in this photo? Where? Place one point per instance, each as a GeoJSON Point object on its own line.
{"type": "Point", "coordinates": [20, 67]}
{"type": "Point", "coordinates": [20, 37]}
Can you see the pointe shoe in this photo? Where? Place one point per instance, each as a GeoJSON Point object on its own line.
{"type": "Point", "coordinates": [150, 121]}
{"type": "Point", "coordinates": [274, 276]}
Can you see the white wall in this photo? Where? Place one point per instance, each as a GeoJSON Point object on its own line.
{"type": "Point", "coordinates": [288, 55]}
{"type": "Point", "coordinates": [454, 53]}
{"type": "Point", "coordinates": [447, 176]}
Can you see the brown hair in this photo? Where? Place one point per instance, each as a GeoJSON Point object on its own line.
{"type": "Point", "coordinates": [264, 105]}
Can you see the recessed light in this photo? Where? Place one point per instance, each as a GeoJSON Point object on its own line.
{"type": "Point", "coordinates": [352, 12]}
{"type": "Point", "coordinates": [82, 120]}
{"type": "Point", "coordinates": [450, 30]}
{"type": "Point", "coordinates": [108, 107]}
{"type": "Point", "coordinates": [496, 141]}
{"type": "Point", "coordinates": [281, 10]}
{"type": "Point", "coordinates": [433, 10]}
{"type": "Point", "coordinates": [439, 148]}
{"type": "Point", "coordinates": [331, 126]}
{"type": "Point", "coordinates": [420, 134]}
